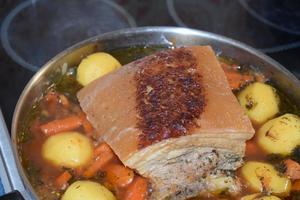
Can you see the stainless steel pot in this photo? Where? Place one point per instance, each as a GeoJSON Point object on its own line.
{"type": "Point", "coordinates": [140, 37]}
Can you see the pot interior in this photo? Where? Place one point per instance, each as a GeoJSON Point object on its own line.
{"type": "Point", "coordinates": [158, 37]}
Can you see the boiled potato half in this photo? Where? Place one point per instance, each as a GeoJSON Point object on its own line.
{"type": "Point", "coordinates": [95, 66]}
{"type": "Point", "coordinates": [280, 135]}
{"type": "Point", "coordinates": [87, 190]}
{"type": "Point", "coordinates": [260, 101]}
{"type": "Point", "coordinates": [259, 197]}
{"type": "Point", "coordinates": [262, 176]}
{"type": "Point", "coordinates": [68, 149]}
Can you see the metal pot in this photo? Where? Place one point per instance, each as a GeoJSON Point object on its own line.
{"type": "Point", "coordinates": [139, 37]}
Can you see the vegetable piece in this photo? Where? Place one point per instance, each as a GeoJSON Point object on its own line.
{"type": "Point", "coordinates": [262, 176]}
{"type": "Point", "coordinates": [105, 155]}
{"type": "Point", "coordinates": [237, 80]}
{"type": "Point", "coordinates": [292, 169]}
{"type": "Point", "coordinates": [277, 161]}
{"type": "Point", "coordinates": [296, 154]}
{"type": "Point", "coordinates": [61, 182]}
{"type": "Point", "coordinates": [138, 190]}
{"type": "Point", "coordinates": [252, 148]}
{"type": "Point", "coordinates": [68, 85]}
{"type": "Point", "coordinates": [280, 135]}
{"type": "Point", "coordinates": [95, 66]}
{"type": "Point", "coordinates": [87, 126]}
{"type": "Point", "coordinates": [52, 100]}
{"type": "Point", "coordinates": [259, 196]}
{"type": "Point", "coordinates": [61, 125]}
{"type": "Point", "coordinates": [260, 102]}
{"type": "Point", "coordinates": [51, 96]}
{"type": "Point", "coordinates": [96, 166]}
{"type": "Point", "coordinates": [64, 101]}
{"type": "Point", "coordinates": [68, 149]}
{"type": "Point", "coordinates": [102, 148]}
{"type": "Point", "coordinates": [87, 190]}
{"type": "Point", "coordinates": [78, 171]}
{"type": "Point", "coordinates": [119, 175]}
{"type": "Point", "coordinates": [296, 186]}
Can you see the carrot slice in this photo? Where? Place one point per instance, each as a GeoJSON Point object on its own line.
{"type": "Point", "coordinates": [119, 175]}
{"type": "Point", "coordinates": [103, 147]}
{"type": "Point", "coordinates": [97, 165]}
{"type": "Point", "coordinates": [237, 80]}
{"type": "Point", "coordinates": [78, 171]}
{"type": "Point", "coordinates": [51, 108]}
{"type": "Point", "coordinates": [138, 190]}
{"type": "Point", "coordinates": [296, 185]}
{"type": "Point", "coordinates": [251, 148]}
{"type": "Point", "coordinates": [87, 126]}
{"type": "Point", "coordinates": [61, 125]}
{"type": "Point", "coordinates": [292, 169]}
{"type": "Point", "coordinates": [51, 96]}
{"type": "Point", "coordinates": [64, 101]}
{"type": "Point", "coordinates": [105, 154]}
{"type": "Point", "coordinates": [62, 181]}
{"type": "Point", "coordinates": [234, 77]}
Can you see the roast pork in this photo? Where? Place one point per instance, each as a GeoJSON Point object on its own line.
{"type": "Point", "coordinates": [173, 118]}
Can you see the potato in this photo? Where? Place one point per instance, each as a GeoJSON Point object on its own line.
{"type": "Point", "coordinates": [262, 176]}
{"type": "Point", "coordinates": [95, 66]}
{"type": "Point", "coordinates": [280, 135]}
{"type": "Point", "coordinates": [259, 197]}
{"type": "Point", "coordinates": [87, 190]}
{"type": "Point", "coordinates": [68, 149]}
{"type": "Point", "coordinates": [260, 102]}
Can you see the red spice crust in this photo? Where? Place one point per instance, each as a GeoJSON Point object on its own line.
{"type": "Point", "coordinates": [170, 96]}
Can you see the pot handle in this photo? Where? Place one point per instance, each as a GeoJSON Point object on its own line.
{"type": "Point", "coordinates": [14, 195]}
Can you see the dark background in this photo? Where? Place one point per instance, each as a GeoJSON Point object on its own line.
{"type": "Point", "coordinates": [228, 17]}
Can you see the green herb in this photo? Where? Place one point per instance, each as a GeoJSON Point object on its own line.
{"type": "Point", "coordinates": [277, 161]}
{"type": "Point", "coordinates": [280, 167]}
{"type": "Point", "coordinates": [69, 86]}
{"type": "Point", "coordinates": [275, 158]}
{"type": "Point", "coordinates": [227, 60]}
{"type": "Point", "coordinates": [33, 173]}
{"type": "Point", "coordinates": [286, 104]}
{"type": "Point", "coordinates": [296, 154]}
{"type": "Point", "coordinates": [127, 55]}
{"type": "Point", "coordinates": [295, 195]}
{"type": "Point", "coordinates": [25, 134]}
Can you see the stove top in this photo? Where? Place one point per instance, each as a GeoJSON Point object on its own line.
{"type": "Point", "coordinates": [34, 31]}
